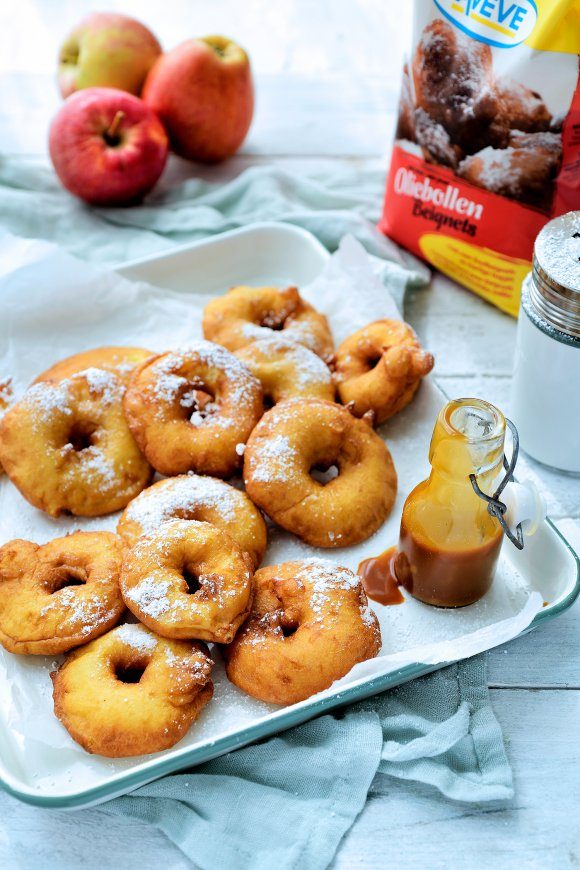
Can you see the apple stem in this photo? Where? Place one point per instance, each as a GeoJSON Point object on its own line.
{"type": "Point", "coordinates": [113, 130]}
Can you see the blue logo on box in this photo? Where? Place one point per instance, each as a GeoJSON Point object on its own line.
{"type": "Point", "coordinates": [501, 23]}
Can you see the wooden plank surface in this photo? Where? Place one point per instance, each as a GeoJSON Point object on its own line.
{"type": "Point", "coordinates": [407, 825]}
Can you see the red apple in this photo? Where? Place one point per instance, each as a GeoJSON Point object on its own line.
{"type": "Point", "coordinates": [107, 50]}
{"type": "Point", "coordinates": [108, 147]}
{"type": "Point", "coordinates": [203, 93]}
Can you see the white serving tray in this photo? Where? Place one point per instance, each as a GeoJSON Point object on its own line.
{"type": "Point", "coordinates": [41, 764]}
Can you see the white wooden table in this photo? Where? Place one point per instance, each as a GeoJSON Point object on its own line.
{"type": "Point", "coordinates": [326, 96]}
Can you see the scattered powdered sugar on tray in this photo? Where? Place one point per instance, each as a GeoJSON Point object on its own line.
{"type": "Point", "coordinates": [177, 496]}
{"type": "Point", "coordinates": [136, 636]}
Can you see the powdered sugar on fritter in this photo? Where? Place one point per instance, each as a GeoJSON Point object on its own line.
{"type": "Point", "coordinates": [176, 372]}
{"type": "Point", "coordinates": [97, 466]}
{"type": "Point", "coordinates": [105, 384]}
{"type": "Point", "coordinates": [325, 578]}
{"type": "Point", "coordinates": [45, 400]}
{"type": "Point", "coordinates": [137, 637]}
{"type": "Point", "coordinates": [255, 332]}
{"type": "Point", "coordinates": [272, 463]}
{"type": "Point", "coordinates": [324, 575]}
{"type": "Point", "coordinates": [182, 496]}
{"type": "Point", "coordinates": [150, 596]}
{"type": "Point", "coordinates": [79, 608]}
{"type": "Point", "coordinates": [308, 367]}
{"type": "Point", "coordinates": [168, 384]}
{"type": "Point", "coordinates": [303, 332]}
{"type": "Point", "coordinates": [299, 331]}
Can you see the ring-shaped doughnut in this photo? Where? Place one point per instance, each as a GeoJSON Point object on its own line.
{"type": "Point", "coordinates": [61, 594]}
{"type": "Point", "coordinates": [193, 497]}
{"type": "Point", "coordinates": [132, 693]}
{"type": "Point", "coordinates": [176, 432]}
{"type": "Point", "coordinates": [121, 361]}
{"type": "Point", "coordinates": [188, 580]}
{"type": "Point", "coordinates": [287, 370]}
{"type": "Point", "coordinates": [310, 623]}
{"type": "Point", "coordinates": [246, 314]}
{"type": "Point", "coordinates": [67, 446]}
{"type": "Point", "coordinates": [379, 369]}
{"type": "Point", "coordinates": [295, 441]}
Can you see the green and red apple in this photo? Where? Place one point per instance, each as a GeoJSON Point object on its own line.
{"type": "Point", "coordinates": [107, 146]}
{"type": "Point", "coordinates": [203, 92]}
{"type": "Point", "coordinates": [107, 50]}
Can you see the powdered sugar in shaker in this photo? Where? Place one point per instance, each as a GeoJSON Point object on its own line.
{"type": "Point", "coordinates": [546, 384]}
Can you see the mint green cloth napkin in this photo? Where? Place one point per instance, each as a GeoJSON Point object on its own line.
{"type": "Point", "coordinates": [329, 204]}
{"type": "Point", "coordinates": [286, 802]}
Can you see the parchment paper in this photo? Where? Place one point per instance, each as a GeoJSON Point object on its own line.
{"type": "Point", "coordinates": [52, 305]}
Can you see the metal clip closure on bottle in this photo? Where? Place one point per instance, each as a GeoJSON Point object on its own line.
{"type": "Point", "coordinates": [523, 507]}
{"type": "Point", "coordinates": [453, 522]}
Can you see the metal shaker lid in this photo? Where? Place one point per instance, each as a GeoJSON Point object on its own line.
{"type": "Point", "coordinates": [555, 289]}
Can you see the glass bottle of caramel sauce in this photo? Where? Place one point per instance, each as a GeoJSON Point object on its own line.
{"type": "Point", "coordinates": [449, 544]}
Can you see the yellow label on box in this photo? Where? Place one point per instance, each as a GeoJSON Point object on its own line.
{"type": "Point", "coordinates": [557, 27]}
{"type": "Point", "coordinates": [493, 276]}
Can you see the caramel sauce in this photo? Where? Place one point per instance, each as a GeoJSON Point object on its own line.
{"type": "Point", "coordinates": [446, 577]}
{"type": "Point", "coordinates": [379, 578]}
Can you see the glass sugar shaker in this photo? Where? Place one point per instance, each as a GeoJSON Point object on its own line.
{"type": "Point", "coordinates": [546, 384]}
